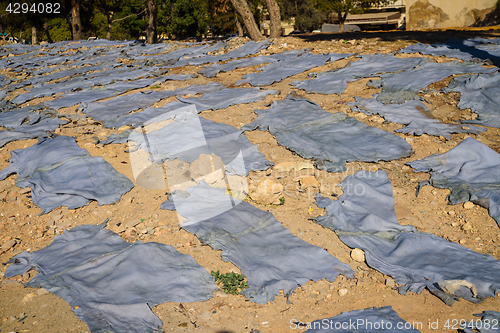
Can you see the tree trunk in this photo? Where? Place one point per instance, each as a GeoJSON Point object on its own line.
{"type": "Point", "coordinates": [274, 17]}
{"type": "Point", "coordinates": [34, 40]}
{"type": "Point", "coordinates": [46, 28]}
{"type": "Point", "coordinates": [109, 16]}
{"type": "Point", "coordinates": [342, 18]}
{"type": "Point", "coordinates": [238, 25]}
{"type": "Point", "coordinates": [242, 8]}
{"type": "Point", "coordinates": [75, 20]}
{"type": "Point", "coordinates": [151, 29]}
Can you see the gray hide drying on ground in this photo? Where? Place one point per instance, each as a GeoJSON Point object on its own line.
{"type": "Point", "coordinates": [12, 118]}
{"type": "Point", "coordinates": [372, 320]}
{"type": "Point", "coordinates": [87, 82]}
{"type": "Point", "coordinates": [69, 73]}
{"type": "Point", "coordinates": [278, 71]}
{"type": "Point", "coordinates": [48, 89]}
{"type": "Point", "coordinates": [97, 93]}
{"type": "Point", "coordinates": [364, 217]}
{"type": "Point", "coordinates": [460, 49]}
{"type": "Point", "coordinates": [331, 139]}
{"type": "Point", "coordinates": [471, 171]}
{"type": "Point", "coordinates": [110, 111]}
{"type": "Point", "coordinates": [38, 126]}
{"type": "Point", "coordinates": [335, 81]}
{"type": "Point", "coordinates": [270, 257]}
{"type": "Point", "coordinates": [403, 86]}
{"type": "Point", "coordinates": [189, 135]}
{"type": "Point", "coordinates": [489, 323]}
{"type": "Point", "coordinates": [112, 284]}
{"type": "Point", "coordinates": [62, 174]}
{"type": "Point", "coordinates": [226, 97]}
{"type": "Point", "coordinates": [171, 58]}
{"type": "Point", "coordinates": [480, 93]}
{"type": "Point", "coordinates": [213, 70]}
{"type": "Point", "coordinates": [415, 115]}
{"type": "Point", "coordinates": [246, 49]}
{"type": "Point", "coordinates": [138, 118]}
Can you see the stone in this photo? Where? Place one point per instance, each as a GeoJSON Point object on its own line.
{"type": "Point", "coordinates": [343, 292]}
{"type": "Point", "coordinates": [28, 297]}
{"type": "Point", "coordinates": [64, 225]}
{"type": "Point", "coordinates": [467, 226]}
{"type": "Point", "coordinates": [131, 232]}
{"type": "Point", "coordinates": [360, 116]}
{"type": "Point", "coordinates": [307, 181]}
{"type": "Point", "coordinates": [5, 185]}
{"type": "Point", "coordinates": [451, 213]}
{"type": "Point", "coordinates": [267, 192]}
{"type": "Point", "coordinates": [8, 245]}
{"type": "Point", "coordinates": [41, 291]}
{"type": "Point", "coordinates": [292, 165]}
{"type": "Point", "coordinates": [143, 228]}
{"type": "Point", "coordinates": [468, 205]}
{"type": "Point", "coordinates": [56, 217]}
{"type": "Point", "coordinates": [119, 228]}
{"type": "Point", "coordinates": [304, 165]}
{"type": "Point", "coordinates": [131, 223]}
{"type": "Point", "coordinates": [25, 190]}
{"type": "Point", "coordinates": [358, 255]}
{"type": "Point", "coordinates": [390, 282]}
{"type": "Point", "coordinates": [10, 283]}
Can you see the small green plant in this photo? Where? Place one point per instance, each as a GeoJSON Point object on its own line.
{"type": "Point", "coordinates": [154, 87]}
{"type": "Point", "coordinates": [282, 200]}
{"type": "Point", "coordinates": [231, 282]}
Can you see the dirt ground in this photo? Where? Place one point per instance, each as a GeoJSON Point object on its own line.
{"type": "Point", "coordinates": [24, 309]}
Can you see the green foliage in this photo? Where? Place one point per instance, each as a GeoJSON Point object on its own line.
{"type": "Point", "coordinates": [282, 200]}
{"type": "Point", "coordinates": [355, 6]}
{"type": "Point", "coordinates": [306, 13]}
{"type": "Point", "coordinates": [222, 17]}
{"type": "Point", "coordinates": [175, 18]}
{"type": "Point", "coordinates": [183, 18]}
{"type": "Point", "coordinates": [59, 29]}
{"type": "Point", "coordinates": [231, 282]}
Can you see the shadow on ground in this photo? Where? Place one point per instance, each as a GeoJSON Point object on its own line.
{"type": "Point", "coordinates": [455, 37]}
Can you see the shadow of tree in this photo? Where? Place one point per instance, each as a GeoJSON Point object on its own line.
{"type": "Point", "coordinates": [452, 38]}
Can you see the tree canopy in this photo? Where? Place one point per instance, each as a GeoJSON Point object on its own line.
{"type": "Point", "coordinates": [346, 7]}
{"type": "Point", "coordinates": [131, 19]}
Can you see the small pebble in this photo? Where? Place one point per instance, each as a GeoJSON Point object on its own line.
{"type": "Point", "coordinates": [358, 255]}
{"type": "Point", "coordinates": [8, 245]}
{"type": "Point", "coordinates": [390, 282]}
{"type": "Point", "coordinates": [468, 205]}
{"type": "Point", "coordinates": [467, 226]}
{"type": "Point", "coordinates": [342, 292]}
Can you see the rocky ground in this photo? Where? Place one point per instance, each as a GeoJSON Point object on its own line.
{"type": "Point", "coordinates": [138, 214]}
